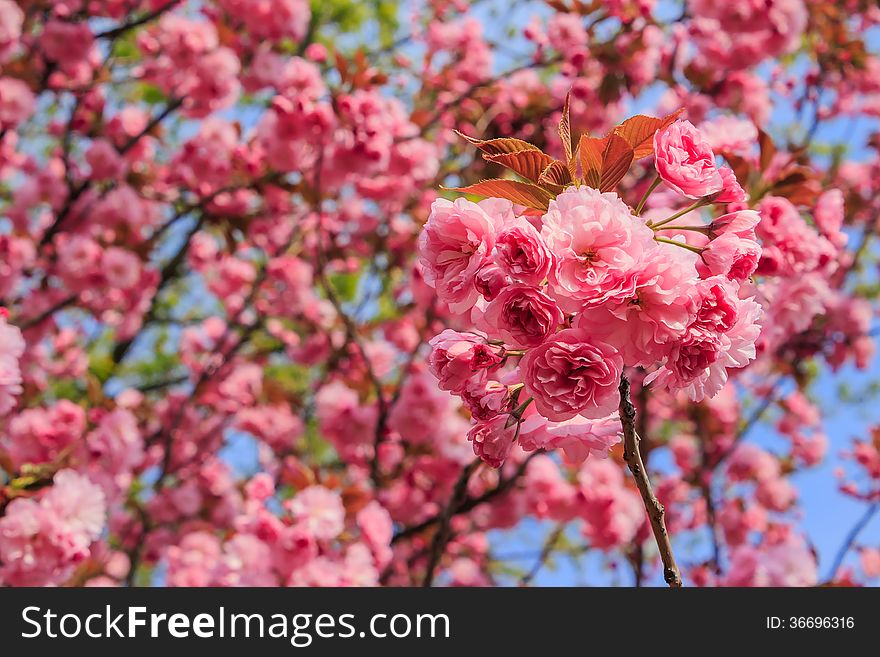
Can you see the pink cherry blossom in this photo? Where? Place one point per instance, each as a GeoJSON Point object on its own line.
{"type": "Point", "coordinates": [685, 161]}
{"type": "Point", "coordinates": [11, 349]}
{"type": "Point", "coordinates": [571, 374]}
{"type": "Point", "coordinates": [597, 241]}
{"type": "Point", "coordinates": [520, 252]}
{"type": "Point", "coordinates": [458, 358]}
{"type": "Point", "coordinates": [320, 510]}
{"type": "Point", "coordinates": [493, 439]}
{"type": "Point", "coordinates": [456, 241]}
{"type": "Point", "coordinates": [521, 316]}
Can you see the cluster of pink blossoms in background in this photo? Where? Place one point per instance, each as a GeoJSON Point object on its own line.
{"type": "Point", "coordinates": [578, 294]}
{"type": "Point", "coordinates": [216, 322]}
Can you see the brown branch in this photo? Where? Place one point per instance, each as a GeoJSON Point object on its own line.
{"type": "Point", "coordinates": [441, 536]}
{"type": "Point", "coordinates": [437, 115]}
{"type": "Point", "coordinates": [30, 322]}
{"type": "Point", "coordinates": [549, 545]}
{"type": "Point", "coordinates": [850, 540]}
{"type": "Point", "coordinates": [655, 510]}
{"type": "Point", "coordinates": [471, 503]}
{"type": "Point", "coordinates": [119, 30]}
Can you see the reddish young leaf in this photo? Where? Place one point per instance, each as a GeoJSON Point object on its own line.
{"type": "Point", "coordinates": [768, 149]}
{"type": "Point", "coordinates": [591, 151]}
{"type": "Point", "coordinates": [638, 132]}
{"type": "Point", "coordinates": [617, 158]}
{"type": "Point", "coordinates": [604, 161]}
{"type": "Point", "coordinates": [341, 66]}
{"type": "Point", "coordinates": [518, 192]}
{"type": "Point", "coordinates": [528, 164]}
{"type": "Point", "coordinates": [556, 176]}
{"type": "Point", "coordinates": [500, 146]}
{"type": "Point", "coordinates": [799, 185]}
{"type": "Point", "coordinates": [565, 128]}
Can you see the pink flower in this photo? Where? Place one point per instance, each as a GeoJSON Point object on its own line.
{"type": "Point", "coordinates": [612, 511]}
{"type": "Point", "coordinates": [643, 325]}
{"type": "Point", "coordinates": [260, 487]}
{"type": "Point", "coordinates": [104, 161]}
{"type": "Point", "coordinates": [740, 33]}
{"type": "Point", "coordinates": [456, 358]}
{"type": "Point", "coordinates": [520, 252]}
{"type": "Point", "coordinates": [685, 161]}
{"type": "Point", "coordinates": [741, 223]}
{"type": "Point", "coordinates": [424, 414]}
{"type": "Point", "coordinates": [718, 305]}
{"type": "Point", "coordinates": [698, 362]}
{"type": "Point", "coordinates": [728, 134]}
{"type": "Point", "coordinates": [791, 246]}
{"type": "Point", "coordinates": [375, 524]}
{"type": "Point", "coordinates": [38, 435]}
{"type": "Point", "coordinates": [493, 439]}
{"type": "Point", "coordinates": [731, 191]}
{"type": "Point", "coordinates": [276, 425]}
{"type": "Point", "coordinates": [776, 494]}
{"type": "Point", "coordinates": [11, 20]}
{"type": "Point", "coordinates": [596, 241]}
{"type": "Point", "coordinates": [345, 422]}
{"type": "Point", "coordinates": [829, 215]}
{"type": "Point", "coordinates": [578, 437]}
{"type": "Point", "coordinates": [274, 20]}
{"type": "Point", "coordinates": [572, 374]}
{"type": "Point", "coordinates": [320, 510]}
{"type": "Point", "coordinates": [785, 563]}
{"type": "Point", "coordinates": [11, 349]}
{"type": "Point", "coordinates": [16, 103]}
{"type": "Point", "coordinates": [122, 268]}
{"type": "Point", "coordinates": [522, 316]}
{"type": "Point", "coordinates": [490, 280]}
{"type": "Point", "coordinates": [66, 43]}
{"type": "Point", "coordinates": [41, 542]}
{"type": "Point", "coordinates": [732, 256]}
{"type": "Point", "coordinates": [870, 561]}
{"type": "Point", "coordinates": [79, 502]}
{"type": "Point", "coordinates": [486, 399]}
{"type": "Point", "coordinates": [456, 241]}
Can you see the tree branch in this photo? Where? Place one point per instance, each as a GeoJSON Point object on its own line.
{"type": "Point", "coordinates": [655, 510]}
{"type": "Point", "coordinates": [441, 537]}
{"type": "Point", "coordinates": [471, 503]}
{"type": "Point", "coordinates": [850, 539]}
{"type": "Point", "coordinates": [549, 545]}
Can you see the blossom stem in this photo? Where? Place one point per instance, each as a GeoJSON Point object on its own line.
{"type": "Point", "coordinates": [517, 413]}
{"type": "Point", "coordinates": [689, 247]}
{"type": "Point", "coordinates": [655, 510]}
{"type": "Point", "coordinates": [644, 199]}
{"type": "Point", "coordinates": [695, 206]}
{"type": "Point", "coordinates": [696, 229]}
{"type": "Point", "coordinates": [515, 352]}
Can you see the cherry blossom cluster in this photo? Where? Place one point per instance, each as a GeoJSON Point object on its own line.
{"type": "Point", "coordinates": [584, 290]}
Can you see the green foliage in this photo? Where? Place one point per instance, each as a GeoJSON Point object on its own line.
{"type": "Point", "coordinates": [345, 285]}
{"type": "Point", "coordinates": [293, 379]}
{"type": "Point", "coordinates": [352, 16]}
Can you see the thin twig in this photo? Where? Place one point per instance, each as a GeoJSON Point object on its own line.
{"type": "Point", "coordinates": [850, 540]}
{"type": "Point", "coordinates": [655, 510]}
{"type": "Point", "coordinates": [119, 30]}
{"type": "Point", "coordinates": [471, 503]}
{"type": "Point", "coordinates": [441, 536]}
{"type": "Point", "coordinates": [549, 545]}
